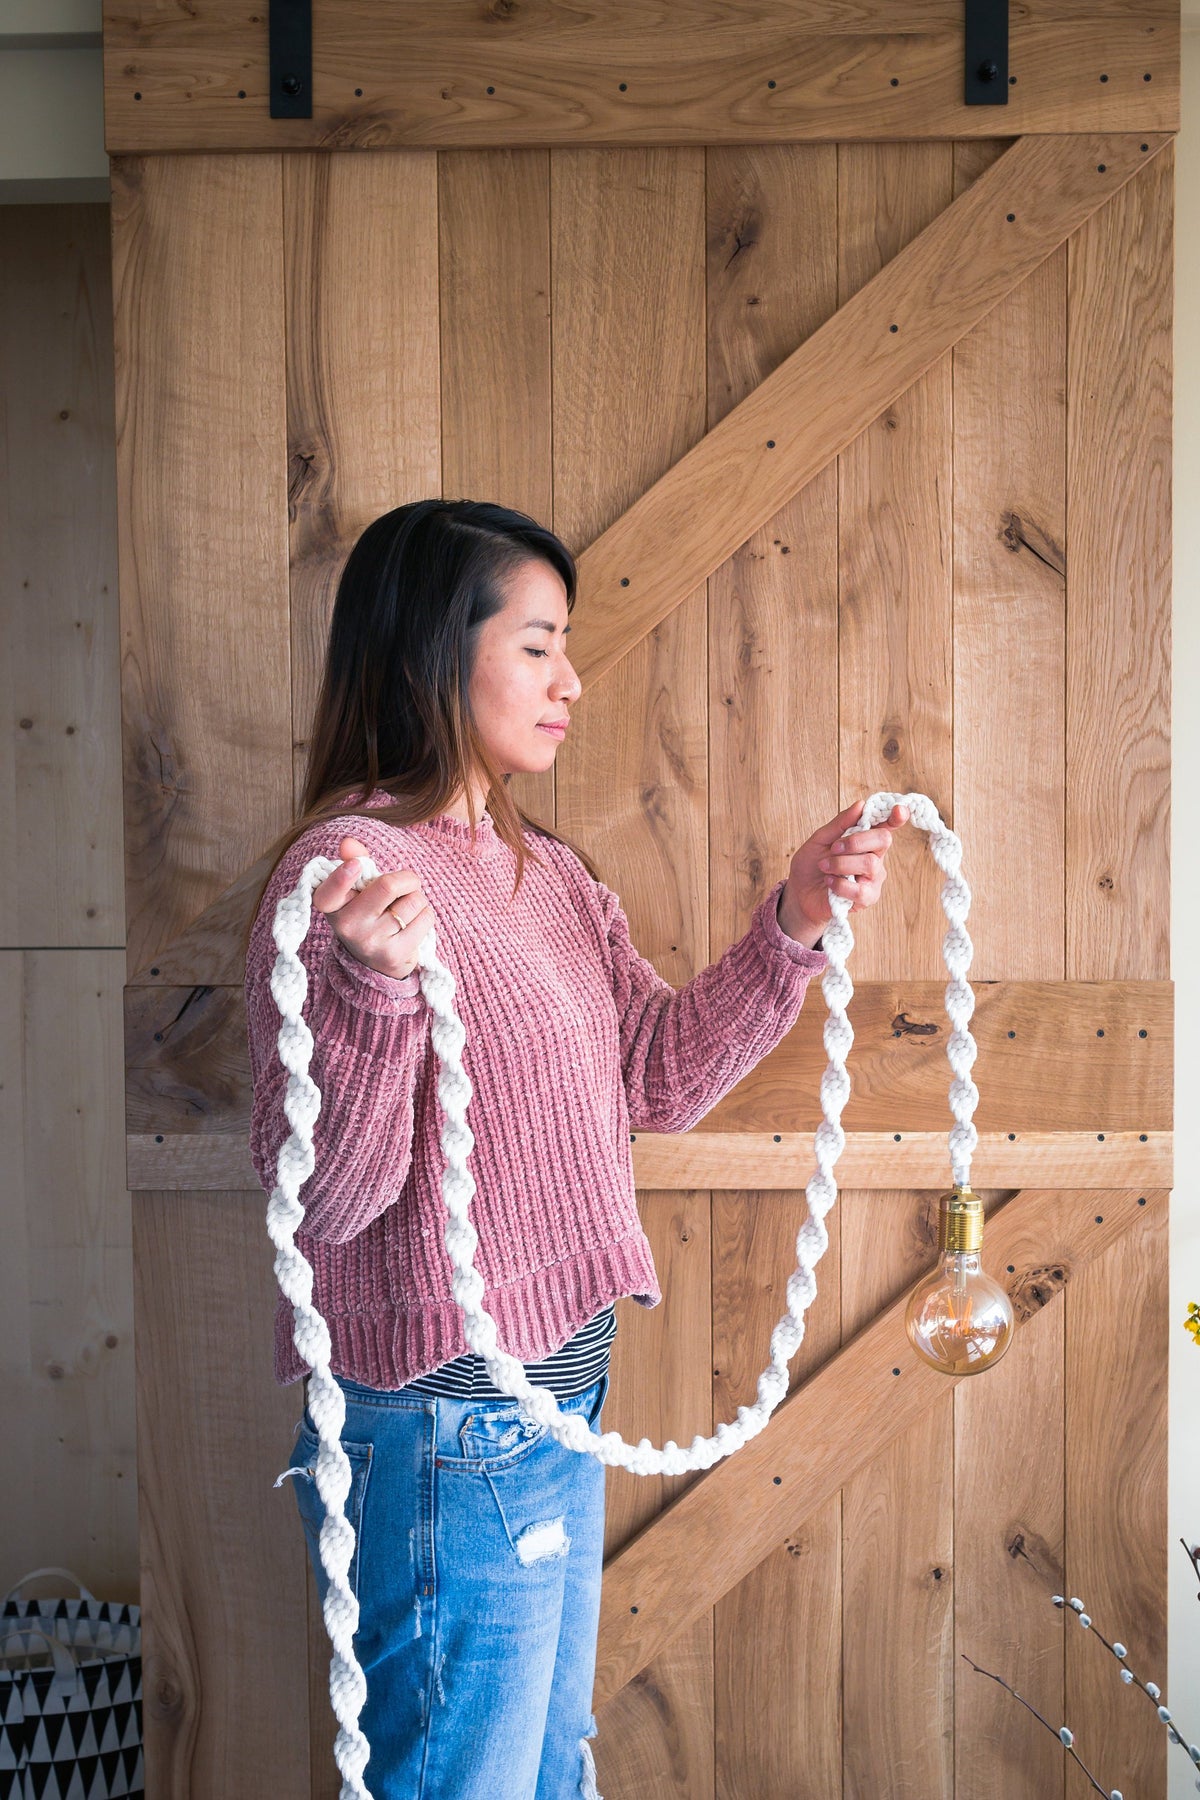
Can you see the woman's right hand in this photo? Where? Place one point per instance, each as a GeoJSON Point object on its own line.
{"type": "Point", "coordinates": [366, 921]}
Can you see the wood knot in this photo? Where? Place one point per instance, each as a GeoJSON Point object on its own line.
{"type": "Point", "coordinates": [303, 472]}
{"type": "Point", "coordinates": [1037, 1288]}
{"type": "Point", "coordinates": [902, 1025]}
{"type": "Point", "coordinates": [1017, 534]}
{"type": "Point", "coordinates": [168, 1697]}
{"type": "Point", "coordinates": [1026, 1546]}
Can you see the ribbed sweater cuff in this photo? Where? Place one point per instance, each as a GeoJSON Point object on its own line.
{"type": "Point", "coordinates": [366, 988]}
{"type": "Point", "coordinates": [774, 942]}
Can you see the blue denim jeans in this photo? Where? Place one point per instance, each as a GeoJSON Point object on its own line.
{"type": "Point", "coordinates": [477, 1563]}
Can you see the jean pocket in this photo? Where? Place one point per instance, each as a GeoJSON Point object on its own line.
{"type": "Point", "coordinates": [311, 1507]}
{"type": "Point", "coordinates": [493, 1438]}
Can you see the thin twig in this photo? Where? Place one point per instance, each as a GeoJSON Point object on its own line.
{"type": "Point", "coordinates": [1194, 1556]}
{"type": "Point", "coordinates": [1069, 1748]}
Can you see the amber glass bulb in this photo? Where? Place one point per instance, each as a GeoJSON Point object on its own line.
{"type": "Point", "coordinates": [957, 1318]}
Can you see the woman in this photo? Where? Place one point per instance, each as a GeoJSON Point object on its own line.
{"type": "Point", "coordinates": [478, 1537]}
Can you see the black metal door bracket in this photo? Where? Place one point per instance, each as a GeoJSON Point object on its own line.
{"type": "Point", "coordinates": [290, 28]}
{"type": "Point", "coordinates": [985, 72]}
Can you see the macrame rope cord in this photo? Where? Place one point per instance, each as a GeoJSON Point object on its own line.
{"type": "Point", "coordinates": [302, 1103]}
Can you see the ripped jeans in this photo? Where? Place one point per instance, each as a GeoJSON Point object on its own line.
{"type": "Point", "coordinates": [477, 1562]}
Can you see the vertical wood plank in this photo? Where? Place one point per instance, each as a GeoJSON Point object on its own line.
{"type": "Point", "coordinates": [894, 570]}
{"type": "Point", "coordinates": [1116, 1459]}
{"type": "Point", "coordinates": [223, 1583]}
{"type": "Point", "coordinates": [202, 528]}
{"type": "Point", "coordinates": [627, 251]}
{"type": "Point", "coordinates": [16, 1314]}
{"type": "Point", "coordinates": [60, 768]}
{"type": "Point", "coordinates": [778, 1633]}
{"type": "Point", "coordinates": [1008, 1561]}
{"type": "Point", "coordinates": [1010, 616]}
{"type": "Point", "coordinates": [895, 621]}
{"type": "Point", "coordinates": [772, 280]}
{"type": "Point", "coordinates": [629, 401]}
{"type": "Point", "coordinates": [364, 435]}
{"type": "Point", "coordinates": [80, 1452]}
{"type": "Point", "coordinates": [494, 271]}
{"type": "Point", "coordinates": [1119, 323]}
{"type": "Point", "coordinates": [1118, 774]}
{"type": "Point", "coordinates": [1009, 640]}
{"type": "Point", "coordinates": [772, 608]}
{"type": "Point", "coordinates": [657, 1736]}
{"type": "Point", "coordinates": [362, 369]}
{"type": "Point", "coordinates": [897, 1539]}
{"type": "Point", "coordinates": [661, 1359]}
{"type": "Point", "coordinates": [66, 1324]}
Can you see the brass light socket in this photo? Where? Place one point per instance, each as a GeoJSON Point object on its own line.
{"type": "Point", "coordinates": [960, 1222]}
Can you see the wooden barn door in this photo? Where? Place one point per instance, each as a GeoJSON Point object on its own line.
{"type": "Point", "coordinates": [864, 449]}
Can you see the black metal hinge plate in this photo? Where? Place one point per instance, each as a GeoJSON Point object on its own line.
{"type": "Point", "coordinates": [985, 72]}
{"type": "Point", "coordinates": [290, 27]}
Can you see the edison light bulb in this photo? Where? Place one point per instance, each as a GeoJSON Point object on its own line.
{"type": "Point", "coordinates": [958, 1318]}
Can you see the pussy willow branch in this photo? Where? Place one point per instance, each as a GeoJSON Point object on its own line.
{"type": "Point", "coordinates": [1069, 1748]}
{"type": "Point", "coordinates": [1151, 1689]}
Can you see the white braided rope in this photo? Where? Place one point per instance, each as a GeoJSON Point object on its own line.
{"type": "Point", "coordinates": [302, 1102]}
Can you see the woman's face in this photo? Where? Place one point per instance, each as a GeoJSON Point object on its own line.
{"type": "Point", "coordinates": [522, 681]}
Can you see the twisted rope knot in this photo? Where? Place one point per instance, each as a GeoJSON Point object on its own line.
{"type": "Point", "coordinates": [302, 1104]}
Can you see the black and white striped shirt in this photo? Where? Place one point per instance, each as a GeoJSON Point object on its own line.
{"type": "Point", "coordinates": [574, 1366]}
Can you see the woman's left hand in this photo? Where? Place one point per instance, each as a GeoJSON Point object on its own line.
{"type": "Point", "coordinates": [821, 865]}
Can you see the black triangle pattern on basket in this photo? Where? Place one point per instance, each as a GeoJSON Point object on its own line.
{"type": "Point", "coordinates": [88, 1746]}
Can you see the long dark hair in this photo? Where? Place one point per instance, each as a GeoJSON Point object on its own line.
{"type": "Point", "coordinates": [393, 709]}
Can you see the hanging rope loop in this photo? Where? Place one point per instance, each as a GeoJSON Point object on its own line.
{"type": "Point", "coordinates": [302, 1103]}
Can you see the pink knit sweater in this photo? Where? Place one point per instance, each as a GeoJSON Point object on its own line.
{"type": "Point", "coordinates": [572, 1040]}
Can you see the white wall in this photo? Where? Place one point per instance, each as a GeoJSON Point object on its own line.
{"type": "Point", "coordinates": [51, 102]}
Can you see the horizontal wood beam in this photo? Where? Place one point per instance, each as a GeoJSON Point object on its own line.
{"type": "Point", "coordinates": [1053, 1057]}
{"type": "Point", "coordinates": [709, 1159]}
{"type": "Point", "coordinates": [806, 411]}
{"type": "Point", "coordinates": [729, 1519]}
{"type": "Point", "coordinates": [400, 72]}
{"type": "Point", "coordinates": [901, 1159]}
